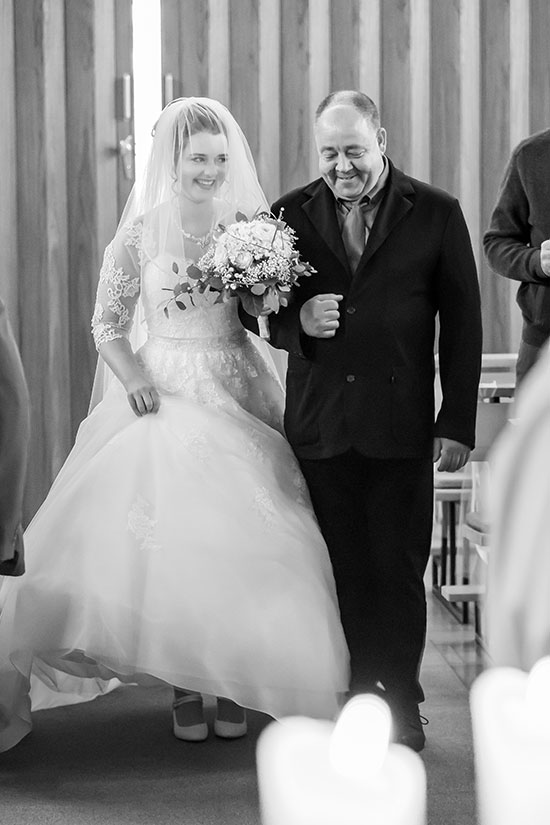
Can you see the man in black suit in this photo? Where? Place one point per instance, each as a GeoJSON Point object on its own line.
{"type": "Point", "coordinates": [391, 254]}
{"type": "Point", "coordinates": [14, 436]}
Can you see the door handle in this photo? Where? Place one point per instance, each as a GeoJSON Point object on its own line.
{"type": "Point", "coordinates": [126, 153]}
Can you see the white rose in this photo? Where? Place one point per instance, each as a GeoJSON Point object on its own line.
{"type": "Point", "coordinates": [243, 259]}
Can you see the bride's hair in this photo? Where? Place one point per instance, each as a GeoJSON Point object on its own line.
{"type": "Point", "coordinates": [194, 120]}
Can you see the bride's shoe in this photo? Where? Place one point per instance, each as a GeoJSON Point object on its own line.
{"type": "Point", "coordinates": [230, 721]}
{"type": "Point", "coordinates": [196, 732]}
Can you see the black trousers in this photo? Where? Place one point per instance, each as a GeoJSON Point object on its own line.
{"type": "Point", "coordinates": [376, 517]}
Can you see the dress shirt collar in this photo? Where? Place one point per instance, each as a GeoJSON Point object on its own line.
{"type": "Point", "coordinates": [368, 200]}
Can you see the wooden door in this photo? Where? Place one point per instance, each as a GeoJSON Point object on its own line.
{"type": "Point", "coordinates": [64, 187]}
{"type": "Point", "coordinates": [98, 49]}
{"type": "Point", "coordinates": [124, 100]}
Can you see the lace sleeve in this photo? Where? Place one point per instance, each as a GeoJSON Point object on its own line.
{"type": "Point", "coordinates": [118, 288]}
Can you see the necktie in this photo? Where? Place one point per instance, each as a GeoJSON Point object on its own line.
{"type": "Point", "coordinates": [353, 235]}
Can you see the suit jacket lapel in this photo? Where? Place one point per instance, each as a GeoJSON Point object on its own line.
{"type": "Point", "coordinates": [321, 211]}
{"type": "Point", "coordinates": [394, 206]}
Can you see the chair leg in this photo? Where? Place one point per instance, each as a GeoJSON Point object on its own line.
{"type": "Point", "coordinates": [477, 620]}
{"type": "Point", "coordinates": [444, 542]}
{"type": "Point", "coordinates": [452, 542]}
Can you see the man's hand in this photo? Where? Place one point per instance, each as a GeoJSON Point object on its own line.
{"type": "Point", "coordinates": [545, 257]}
{"type": "Point", "coordinates": [453, 454]}
{"type": "Point", "coordinates": [319, 316]}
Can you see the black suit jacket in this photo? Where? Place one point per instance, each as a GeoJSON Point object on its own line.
{"type": "Point", "coordinates": [371, 387]}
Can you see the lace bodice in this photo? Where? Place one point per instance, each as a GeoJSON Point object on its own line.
{"type": "Point", "coordinates": [200, 352]}
{"type": "Point", "coordinates": [130, 274]}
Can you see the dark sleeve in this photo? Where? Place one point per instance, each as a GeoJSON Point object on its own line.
{"type": "Point", "coordinates": [460, 334]}
{"type": "Point", "coordinates": [14, 436]}
{"type": "Point", "coordinates": [285, 329]}
{"type": "Point", "coordinates": [507, 240]}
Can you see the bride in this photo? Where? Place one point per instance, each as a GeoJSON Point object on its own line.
{"type": "Point", "coordinates": [177, 544]}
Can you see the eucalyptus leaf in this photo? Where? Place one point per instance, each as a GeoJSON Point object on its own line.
{"type": "Point", "coordinates": [194, 272]}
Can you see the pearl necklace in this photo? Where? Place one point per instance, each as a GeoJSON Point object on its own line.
{"type": "Point", "coordinates": [201, 241]}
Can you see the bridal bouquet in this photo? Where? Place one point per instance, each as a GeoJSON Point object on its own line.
{"type": "Point", "coordinates": [256, 259]}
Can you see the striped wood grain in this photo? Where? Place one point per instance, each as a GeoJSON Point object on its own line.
{"type": "Point", "coordinates": [41, 227]}
{"type": "Point", "coordinates": [9, 282]}
{"type": "Point", "coordinates": [395, 103]}
{"type": "Point", "coordinates": [495, 150]}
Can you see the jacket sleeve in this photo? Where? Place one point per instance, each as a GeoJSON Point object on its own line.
{"type": "Point", "coordinates": [507, 241]}
{"type": "Point", "coordinates": [285, 329]}
{"type": "Point", "coordinates": [14, 437]}
{"type": "Point", "coordinates": [460, 332]}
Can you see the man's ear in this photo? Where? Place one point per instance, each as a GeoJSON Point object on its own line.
{"type": "Point", "coordinates": [381, 137]}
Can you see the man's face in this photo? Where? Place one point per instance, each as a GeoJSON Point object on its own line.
{"type": "Point", "coordinates": [350, 151]}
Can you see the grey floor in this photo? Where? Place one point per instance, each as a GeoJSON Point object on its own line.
{"type": "Point", "coordinates": [115, 761]}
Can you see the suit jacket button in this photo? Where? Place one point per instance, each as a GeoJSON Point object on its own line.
{"type": "Point", "coordinates": [350, 379]}
{"type": "Point", "coordinates": [351, 310]}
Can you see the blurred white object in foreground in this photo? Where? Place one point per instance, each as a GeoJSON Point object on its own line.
{"type": "Point", "coordinates": [511, 727]}
{"type": "Point", "coordinates": [319, 773]}
{"type": "Point", "coordinates": [518, 585]}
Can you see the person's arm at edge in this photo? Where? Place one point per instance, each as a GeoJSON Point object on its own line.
{"type": "Point", "coordinates": [460, 337]}
{"type": "Point", "coordinates": [14, 439]}
{"type": "Point", "coordinates": [507, 241]}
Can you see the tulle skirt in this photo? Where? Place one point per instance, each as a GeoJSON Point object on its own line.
{"type": "Point", "coordinates": [179, 547]}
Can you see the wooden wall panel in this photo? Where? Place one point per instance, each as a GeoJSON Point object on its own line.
{"type": "Point", "coordinates": [123, 66]}
{"type": "Point", "coordinates": [9, 282]}
{"type": "Point", "coordinates": [41, 218]}
{"type": "Point", "coordinates": [172, 45]}
{"type": "Point", "coordinates": [395, 103]}
{"type": "Point", "coordinates": [469, 160]}
{"type": "Point", "coordinates": [495, 151]}
{"type": "Point", "coordinates": [344, 44]}
{"type": "Point", "coordinates": [60, 187]}
{"type": "Point", "coordinates": [420, 65]}
{"type": "Point", "coordinates": [296, 107]}
{"type": "Point", "coordinates": [540, 65]}
{"type": "Point", "coordinates": [370, 37]}
{"type": "Point", "coordinates": [92, 176]}
{"type": "Point", "coordinates": [445, 95]}
{"type": "Point", "coordinates": [320, 77]}
{"type": "Point", "coordinates": [245, 64]}
{"type": "Point", "coordinates": [269, 94]}
{"type": "Point", "coordinates": [194, 47]}
{"type": "Point", "coordinates": [520, 100]}
{"type": "Point", "coordinates": [219, 49]}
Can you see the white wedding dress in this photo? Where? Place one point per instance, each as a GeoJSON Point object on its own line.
{"type": "Point", "coordinates": [180, 546]}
